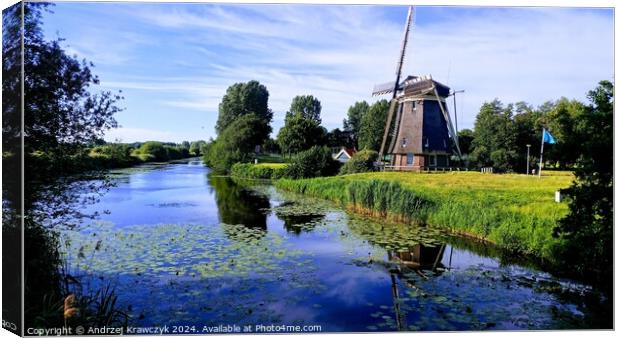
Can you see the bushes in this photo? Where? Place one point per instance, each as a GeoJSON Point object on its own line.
{"type": "Point", "coordinates": [160, 152]}
{"type": "Point", "coordinates": [120, 155]}
{"type": "Point", "coordinates": [257, 171]}
{"type": "Point", "coordinates": [314, 162]}
{"type": "Point", "coordinates": [112, 155]}
{"type": "Point", "coordinates": [361, 162]}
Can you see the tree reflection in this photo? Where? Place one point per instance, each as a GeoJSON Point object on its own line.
{"type": "Point", "coordinates": [297, 222]}
{"type": "Point", "coordinates": [237, 204]}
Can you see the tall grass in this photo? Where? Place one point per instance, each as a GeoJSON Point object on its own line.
{"type": "Point", "coordinates": [516, 212]}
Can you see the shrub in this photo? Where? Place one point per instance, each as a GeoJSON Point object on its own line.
{"type": "Point", "coordinates": [361, 162]}
{"type": "Point", "coordinates": [113, 155]}
{"type": "Point", "coordinates": [257, 171]}
{"type": "Point", "coordinates": [314, 162]}
{"type": "Point", "coordinates": [154, 148]}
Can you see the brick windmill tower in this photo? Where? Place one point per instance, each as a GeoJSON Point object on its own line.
{"type": "Point", "coordinates": [418, 126]}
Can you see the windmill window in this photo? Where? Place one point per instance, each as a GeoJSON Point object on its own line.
{"type": "Point", "coordinates": [404, 144]}
{"type": "Point", "coordinates": [409, 159]}
{"type": "Point", "coordinates": [432, 160]}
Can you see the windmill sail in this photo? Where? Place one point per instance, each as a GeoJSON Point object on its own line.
{"type": "Point", "coordinates": [401, 59]}
{"type": "Point", "coordinates": [418, 132]}
{"type": "Point", "coordinates": [386, 88]}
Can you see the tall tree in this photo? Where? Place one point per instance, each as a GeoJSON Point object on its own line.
{"type": "Point", "coordinates": [528, 126]}
{"type": "Point", "coordinates": [339, 138]}
{"type": "Point", "coordinates": [373, 125]}
{"type": "Point", "coordinates": [562, 121]}
{"type": "Point", "coordinates": [588, 228]}
{"type": "Point", "coordinates": [62, 109]}
{"type": "Point", "coordinates": [63, 114]}
{"type": "Point", "coordinates": [494, 142]}
{"type": "Point", "coordinates": [307, 106]}
{"type": "Point", "coordinates": [300, 133]}
{"type": "Point", "coordinates": [237, 143]}
{"type": "Point", "coordinates": [466, 136]}
{"type": "Point", "coordinates": [243, 99]}
{"type": "Point", "coordinates": [353, 122]}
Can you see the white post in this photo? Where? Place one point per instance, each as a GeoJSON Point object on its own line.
{"type": "Point", "coordinates": [527, 171]}
{"type": "Point", "coordinates": [542, 147]}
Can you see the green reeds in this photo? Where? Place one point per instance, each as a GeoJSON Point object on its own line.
{"type": "Point", "coordinates": [515, 212]}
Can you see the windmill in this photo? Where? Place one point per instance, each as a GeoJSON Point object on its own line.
{"type": "Point", "coordinates": [418, 125]}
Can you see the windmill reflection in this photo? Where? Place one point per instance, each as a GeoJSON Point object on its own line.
{"type": "Point", "coordinates": [418, 259]}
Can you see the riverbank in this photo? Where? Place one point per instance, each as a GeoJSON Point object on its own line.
{"type": "Point", "coordinates": [515, 212]}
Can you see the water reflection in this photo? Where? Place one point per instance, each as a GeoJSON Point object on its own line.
{"type": "Point", "coordinates": [297, 223]}
{"type": "Point", "coordinates": [419, 257]}
{"type": "Point", "coordinates": [416, 259]}
{"type": "Point", "coordinates": [237, 204]}
{"type": "Point", "coordinates": [237, 251]}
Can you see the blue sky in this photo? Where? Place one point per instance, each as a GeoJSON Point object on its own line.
{"type": "Point", "coordinates": [173, 62]}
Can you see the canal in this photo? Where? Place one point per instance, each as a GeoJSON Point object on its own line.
{"type": "Point", "coordinates": [182, 247]}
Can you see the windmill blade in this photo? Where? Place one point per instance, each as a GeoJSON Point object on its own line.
{"type": "Point", "coordinates": [382, 89]}
{"type": "Point", "coordinates": [397, 120]}
{"type": "Point", "coordinates": [401, 59]}
{"type": "Point", "coordinates": [449, 121]}
{"type": "Point", "coordinates": [390, 116]}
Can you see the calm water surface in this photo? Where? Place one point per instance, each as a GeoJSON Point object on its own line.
{"type": "Point", "coordinates": [182, 247]}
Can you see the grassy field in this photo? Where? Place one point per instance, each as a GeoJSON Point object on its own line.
{"type": "Point", "coordinates": [516, 212]}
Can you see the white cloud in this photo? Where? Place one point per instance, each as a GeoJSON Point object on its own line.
{"type": "Point", "coordinates": [338, 53]}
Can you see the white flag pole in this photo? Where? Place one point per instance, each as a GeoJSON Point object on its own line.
{"type": "Point", "coordinates": [542, 147]}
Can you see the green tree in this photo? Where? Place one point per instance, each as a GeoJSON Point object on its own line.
{"type": "Point", "coordinates": [562, 122]}
{"type": "Point", "coordinates": [237, 143]}
{"type": "Point", "coordinates": [494, 142]}
{"type": "Point", "coordinates": [307, 106]}
{"type": "Point", "coordinates": [339, 138]}
{"type": "Point", "coordinates": [588, 228]}
{"type": "Point", "coordinates": [195, 147]}
{"type": "Point", "coordinates": [64, 114]}
{"type": "Point", "coordinates": [466, 136]}
{"type": "Point", "coordinates": [271, 146]}
{"type": "Point", "coordinates": [300, 133]}
{"type": "Point", "coordinates": [353, 122]}
{"type": "Point", "coordinates": [373, 125]}
{"type": "Point", "coordinates": [528, 126]}
{"type": "Point", "coordinates": [243, 99]}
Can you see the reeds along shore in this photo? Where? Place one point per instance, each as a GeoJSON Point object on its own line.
{"type": "Point", "coordinates": [515, 212]}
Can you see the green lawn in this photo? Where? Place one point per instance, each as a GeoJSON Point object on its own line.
{"type": "Point", "coordinates": [271, 158]}
{"type": "Point", "coordinates": [516, 212]}
{"type": "Point", "coordinates": [271, 165]}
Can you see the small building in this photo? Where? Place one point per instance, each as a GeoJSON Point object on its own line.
{"type": "Point", "coordinates": [344, 155]}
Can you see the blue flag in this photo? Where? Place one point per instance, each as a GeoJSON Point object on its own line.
{"type": "Point", "coordinates": [547, 137]}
